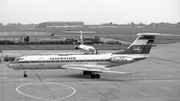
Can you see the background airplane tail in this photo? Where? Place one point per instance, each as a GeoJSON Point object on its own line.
{"type": "Point", "coordinates": [142, 45]}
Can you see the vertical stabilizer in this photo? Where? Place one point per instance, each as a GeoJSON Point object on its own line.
{"type": "Point", "coordinates": [81, 38]}
{"type": "Point", "coordinates": [142, 45]}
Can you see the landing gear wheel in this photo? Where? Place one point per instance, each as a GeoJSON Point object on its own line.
{"type": "Point", "coordinates": [85, 73]}
{"type": "Point", "coordinates": [92, 76]}
{"type": "Point", "coordinates": [97, 76]}
{"type": "Point", "coordinates": [25, 75]}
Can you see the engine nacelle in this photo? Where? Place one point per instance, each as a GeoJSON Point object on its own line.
{"type": "Point", "coordinates": [121, 59]}
{"type": "Point", "coordinates": [76, 47]}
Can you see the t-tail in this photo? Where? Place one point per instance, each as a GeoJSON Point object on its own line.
{"type": "Point", "coordinates": [142, 45]}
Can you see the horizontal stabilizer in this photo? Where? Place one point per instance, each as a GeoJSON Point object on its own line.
{"type": "Point", "coordinates": [155, 34]}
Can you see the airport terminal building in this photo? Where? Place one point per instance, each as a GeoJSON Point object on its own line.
{"type": "Point", "coordinates": [60, 24]}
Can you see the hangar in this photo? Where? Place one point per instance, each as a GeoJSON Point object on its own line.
{"type": "Point", "coordinates": [21, 37]}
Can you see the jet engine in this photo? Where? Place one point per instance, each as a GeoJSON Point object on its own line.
{"type": "Point", "coordinates": [121, 59]}
{"type": "Point", "coordinates": [76, 47]}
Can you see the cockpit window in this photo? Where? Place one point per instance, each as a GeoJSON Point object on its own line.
{"type": "Point", "coordinates": [18, 59]}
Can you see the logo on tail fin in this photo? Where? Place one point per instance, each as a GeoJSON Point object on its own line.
{"type": "Point", "coordinates": [137, 49]}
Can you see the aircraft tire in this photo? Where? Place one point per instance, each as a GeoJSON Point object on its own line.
{"type": "Point", "coordinates": [92, 76]}
{"type": "Point", "coordinates": [25, 75]}
{"type": "Point", "coordinates": [97, 76]}
{"type": "Point", "coordinates": [85, 73]}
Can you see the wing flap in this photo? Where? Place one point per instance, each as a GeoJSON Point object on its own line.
{"type": "Point", "coordinates": [100, 69]}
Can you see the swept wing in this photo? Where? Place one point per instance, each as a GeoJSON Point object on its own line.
{"type": "Point", "coordinates": [93, 68]}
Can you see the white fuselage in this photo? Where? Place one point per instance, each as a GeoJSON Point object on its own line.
{"type": "Point", "coordinates": [86, 48]}
{"type": "Point", "coordinates": [57, 61]}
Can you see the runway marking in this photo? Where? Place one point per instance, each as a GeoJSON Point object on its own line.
{"type": "Point", "coordinates": [4, 78]}
{"type": "Point", "coordinates": [35, 97]}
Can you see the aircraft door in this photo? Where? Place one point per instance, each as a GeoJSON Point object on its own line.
{"type": "Point", "coordinates": [41, 62]}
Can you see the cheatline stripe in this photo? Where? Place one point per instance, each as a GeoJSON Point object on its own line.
{"type": "Point", "coordinates": [46, 61]}
{"type": "Point", "coordinates": [55, 61]}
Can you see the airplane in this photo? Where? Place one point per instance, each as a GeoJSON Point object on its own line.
{"type": "Point", "coordinates": [82, 46]}
{"type": "Point", "coordinates": [90, 64]}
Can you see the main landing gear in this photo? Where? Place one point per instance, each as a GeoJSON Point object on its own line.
{"type": "Point", "coordinates": [25, 75]}
{"type": "Point", "coordinates": [92, 75]}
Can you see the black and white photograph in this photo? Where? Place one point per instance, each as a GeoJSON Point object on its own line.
{"type": "Point", "coordinates": [89, 50]}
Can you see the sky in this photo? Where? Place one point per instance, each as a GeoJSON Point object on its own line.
{"type": "Point", "coordinates": [90, 11]}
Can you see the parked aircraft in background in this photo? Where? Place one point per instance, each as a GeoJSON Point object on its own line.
{"type": "Point", "coordinates": [82, 46]}
{"type": "Point", "coordinates": [90, 64]}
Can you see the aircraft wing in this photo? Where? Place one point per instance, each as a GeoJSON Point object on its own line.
{"type": "Point", "coordinates": [93, 68]}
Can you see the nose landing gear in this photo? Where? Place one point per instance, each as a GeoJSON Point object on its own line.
{"type": "Point", "coordinates": [25, 75]}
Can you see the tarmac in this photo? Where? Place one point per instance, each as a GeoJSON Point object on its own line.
{"type": "Point", "coordinates": [155, 79]}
